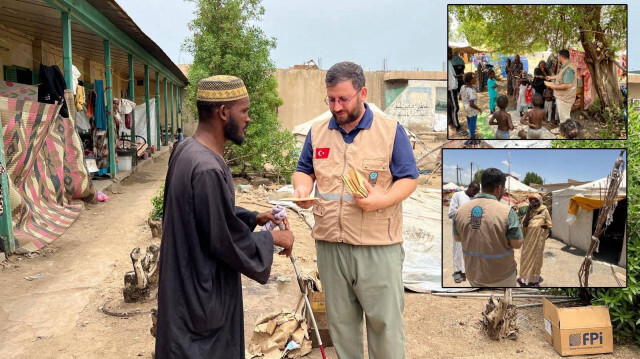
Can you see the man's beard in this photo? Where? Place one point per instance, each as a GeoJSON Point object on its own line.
{"type": "Point", "coordinates": [351, 116]}
{"type": "Point", "coordinates": [232, 130]}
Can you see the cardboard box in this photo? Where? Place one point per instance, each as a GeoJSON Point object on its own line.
{"type": "Point", "coordinates": [578, 330]}
{"type": "Point", "coordinates": [317, 302]}
{"type": "Point", "coordinates": [316, 299]}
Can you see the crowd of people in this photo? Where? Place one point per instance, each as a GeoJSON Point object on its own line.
{"type": "Point", "coordinates": [545, 97]}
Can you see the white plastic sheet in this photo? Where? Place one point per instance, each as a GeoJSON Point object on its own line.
{"type": "Point", "coordinates": [422, 235]}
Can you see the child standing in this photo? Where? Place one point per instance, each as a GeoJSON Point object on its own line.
{"type": "Point", "coordinates": [469, 98]}
{"type": "Point", "coordinates": [502, 118]}
{"type": "Point", "coordinates": [492, 84]}
{"type": "Point", "coordinates": [533, 118]}
{"type": "Point", "coordinates": [522, 96]}
{"type": "Point", "coordinates": [548, 103]}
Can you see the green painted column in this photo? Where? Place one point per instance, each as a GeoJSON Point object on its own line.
{"type": "Point", "coordinates": [7, 239]}
{"type": "Point", "coordinates": [181, 114]}
{"type": "Point", "coordinates": [159, 135]}
{"type": "Point", "coordinates": [146, 102]}
{"type": "Point", "coordinates": [178, 123]}
{"type": "Point", "coordinates": [66, 50]}
{"type": "Point", "coordinates": [166, 114]}
{"type": "Point", "coordinates": [132, 97]}
{"type": "Point", "coordinates": [173, 129]}
{"type": "Point", "coordinates": [109, 91]}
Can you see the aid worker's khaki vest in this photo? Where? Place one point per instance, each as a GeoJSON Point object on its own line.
{"type": "Point", "coordinates": [482, 226]}
{"type": "Point", "coordinates": [568, 95]}
{"type": "Point", "coordinates": [337, 218]}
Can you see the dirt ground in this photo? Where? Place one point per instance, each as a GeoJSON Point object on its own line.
{"type": "Point", "coordinates": [59, 315]}
{"type": "Point", "coordinates": [590, 129]}
{"type": "Point", "coordinates": [559, 267]}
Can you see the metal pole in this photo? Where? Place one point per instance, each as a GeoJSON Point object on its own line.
{"type": "Point", "coordinates": [6, 225]}
{"type": "Point", "coordinates": [487, 295]}
{"type": "Point", "coordinates": [158, 134]}
{"type": "Point", "coordinates": [166, 114]}
{"type": "Point", "coordinates": [109, 91]}
{"type": "Point", "coordinates": [66, 50]}
{"type": "Point", "coordinates": [132, 98]}
{"type": "Point", "coordinates": [146, 102]}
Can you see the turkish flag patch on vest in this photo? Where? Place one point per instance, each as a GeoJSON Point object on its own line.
{"type": "Point", "coordinates": [322, 153]}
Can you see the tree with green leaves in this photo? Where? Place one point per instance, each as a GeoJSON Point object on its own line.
{"type": "Point", "coordinates": [532, 177]}
{"type": "Point", "coordinates": [600, 30]}
{"type": "Point", "coordinates": [623, 303]}
{"type": "Point", "coordinates": [477, 177]}
{"type": "Point", "coordinates": [226, 42]}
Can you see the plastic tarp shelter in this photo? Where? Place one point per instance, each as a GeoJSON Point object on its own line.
{"type": "Point", "coordinates": [422, 235]}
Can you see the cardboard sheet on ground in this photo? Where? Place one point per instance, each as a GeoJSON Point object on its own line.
{"type": "Point", "coordinates": [274, 333]}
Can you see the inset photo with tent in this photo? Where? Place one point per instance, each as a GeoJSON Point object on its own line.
{"type": "Point", "coordinates": [534, 218]}
{"type": "Point", "coordinates": [527, 72]}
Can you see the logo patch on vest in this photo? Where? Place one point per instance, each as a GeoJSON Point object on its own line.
{"type": "Point", "coordinates": [476, 217]}
{"type": "Point", "coordinates": [373, 178]}
{"type": "Point", "coordinates": [322, 153]}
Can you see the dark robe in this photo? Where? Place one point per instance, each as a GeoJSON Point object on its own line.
{"type": "Point", "coordinates": [51, 87]}
{"type": "Point", "coordinates": [206, 243]}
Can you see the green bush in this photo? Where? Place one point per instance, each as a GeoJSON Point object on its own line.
{"type": "Point", "coordinates": [623, 303]}
{"type": "Point", "coordinates": [156, 201]}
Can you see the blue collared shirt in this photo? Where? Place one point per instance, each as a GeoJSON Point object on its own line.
{"type": "Point", "coordinates": [403, 163]}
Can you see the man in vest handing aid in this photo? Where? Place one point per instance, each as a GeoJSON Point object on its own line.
{"type": "Point", "coordinates": [564, 86]}
{"type": "Point", "coordinates": [358, 240]}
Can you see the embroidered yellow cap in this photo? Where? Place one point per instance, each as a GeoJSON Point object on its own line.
{"type": "Point", "coordinates": [221, 88]}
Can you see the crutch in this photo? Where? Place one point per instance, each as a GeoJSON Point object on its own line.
{"type": "Point", "coordinates": [306, 300]}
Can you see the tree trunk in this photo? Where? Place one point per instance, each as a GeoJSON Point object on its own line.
{"type": "Point", "coordinates": [600, 60]}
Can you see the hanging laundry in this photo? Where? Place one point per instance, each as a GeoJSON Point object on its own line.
{"type": "Point", "coordinates": [127, 106]}
{"type": "Point", "coordinates": [80, 98]}
{"type": "Point", "coordinates": [91, 103]}
{"type": "Point", "coordinates": [51, 87]}
{"type": "Point", "coordinates": [100, 110]}
{"type": "Point", "coordinates": [2, 171]}
{"type": "Point", "coordinates": [75, 73]}
{"type": "Point", "coordinates": [128, 120]}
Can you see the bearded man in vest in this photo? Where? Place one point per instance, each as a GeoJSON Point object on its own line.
{"type": "Point", "coordinates": [564, 86]}
{"type": "Point", "coordinates": [489, 231]}
{"type": "Point", "coordinates": [358, 240]}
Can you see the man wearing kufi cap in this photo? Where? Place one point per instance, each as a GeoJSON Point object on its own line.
{"type": "Point", "coordinates": [207, 242]}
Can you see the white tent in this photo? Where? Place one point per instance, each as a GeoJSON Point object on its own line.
{"type": "Point", "coordinates": [301, 130]}
{"type": "Point", "coordinates": [451, 186]}
{"type": "Point", "coordinates": [513, 185]}
{"type": "Point", "coordinates": [577, 231]}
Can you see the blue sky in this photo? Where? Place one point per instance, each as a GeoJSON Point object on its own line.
{"type": "Point", "coordinates": [554, 166]}
{"type": "Point", "coordinates": [409, 34]}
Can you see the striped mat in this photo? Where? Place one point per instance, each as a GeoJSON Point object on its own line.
{"type": "Point", "coordinates": [45, 162]}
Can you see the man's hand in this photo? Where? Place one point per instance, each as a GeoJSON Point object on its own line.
{"type": "Point", "coordinates": [265, 217]}
{"type": "Point", "coordinates": [284, 239]}
{"type": "Point", "coordinates": [302, 192]}
{"type": "Point", "coordinates": [374, 201]}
